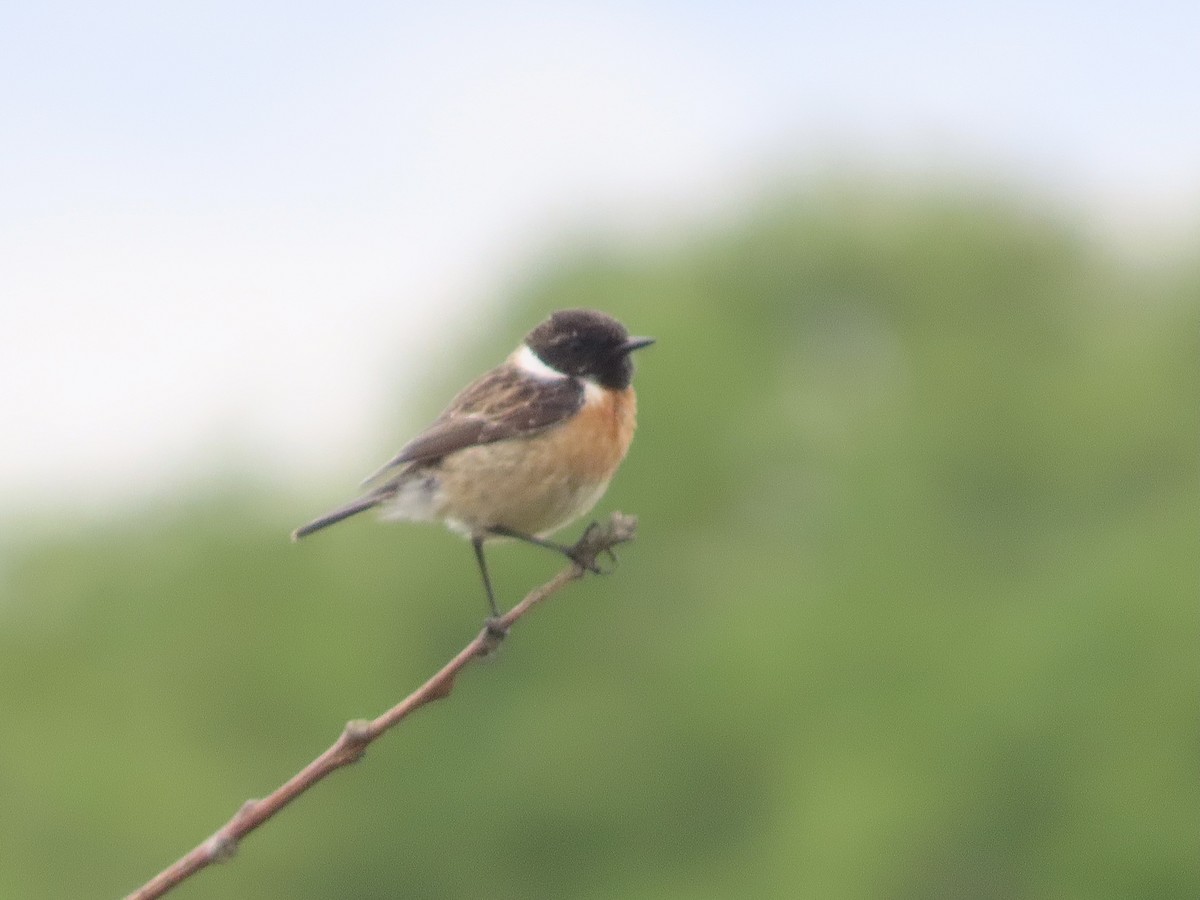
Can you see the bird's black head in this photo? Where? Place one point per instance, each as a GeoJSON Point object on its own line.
{"type": "Point", "coordinates": [587, 344]}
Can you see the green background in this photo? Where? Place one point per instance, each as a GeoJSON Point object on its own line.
{"type": "Point", "coordinates": [911, 614]}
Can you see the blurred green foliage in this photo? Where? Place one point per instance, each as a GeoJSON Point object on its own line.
{"type": "Point", "coordinates": [912, 612]}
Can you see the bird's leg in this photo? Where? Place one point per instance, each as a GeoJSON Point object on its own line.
{"type": "Point", "coordinates": [494, 628]}
{"type": "Point", "coordinates": [575, 553]}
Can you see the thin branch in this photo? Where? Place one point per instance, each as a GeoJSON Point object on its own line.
{"type": "Point", "coordinates": [360, 733]}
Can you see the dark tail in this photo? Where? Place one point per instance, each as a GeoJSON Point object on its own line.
{"type": "Point", "coordinates": [354, 507]}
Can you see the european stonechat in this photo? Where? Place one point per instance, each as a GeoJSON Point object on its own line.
{"type": "Point", "coordinates": [523, 450]}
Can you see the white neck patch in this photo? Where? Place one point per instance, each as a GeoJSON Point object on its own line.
{"type": "Point", "coordinates": [529, 363]}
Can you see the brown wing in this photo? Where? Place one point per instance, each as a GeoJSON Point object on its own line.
{"type": "Point", "coordinates": [501, 404]}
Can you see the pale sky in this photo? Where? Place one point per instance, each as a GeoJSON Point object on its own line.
{"type": "Point", "coordinates": [232, 228]}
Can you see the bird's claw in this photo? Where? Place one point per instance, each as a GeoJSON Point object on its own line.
{"type": "Point", "coordinates": [600, 539]}
{"type": "Point", "coordinates": [494, 633]}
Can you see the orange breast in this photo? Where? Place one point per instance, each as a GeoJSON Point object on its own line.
{"type": "Point", "coordinates": [598, 438]}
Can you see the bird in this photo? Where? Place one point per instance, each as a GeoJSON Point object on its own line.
{"type": "Point", "coordinates": [524, 450]}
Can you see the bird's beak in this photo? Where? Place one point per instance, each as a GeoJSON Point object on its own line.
{"type": "Point", "coordinates": [635, 343]}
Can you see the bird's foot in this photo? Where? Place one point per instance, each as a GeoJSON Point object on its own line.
{"type": "Point", "coordinates": [600, 539]}
{"type": "Point", "coordinates": [494, 633]}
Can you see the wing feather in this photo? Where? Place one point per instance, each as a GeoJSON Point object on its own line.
{"type": "Point", "coordinates": [502, 404]}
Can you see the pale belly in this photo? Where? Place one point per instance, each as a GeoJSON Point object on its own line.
{"type": "Point", "coordinates": [503, 485]}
